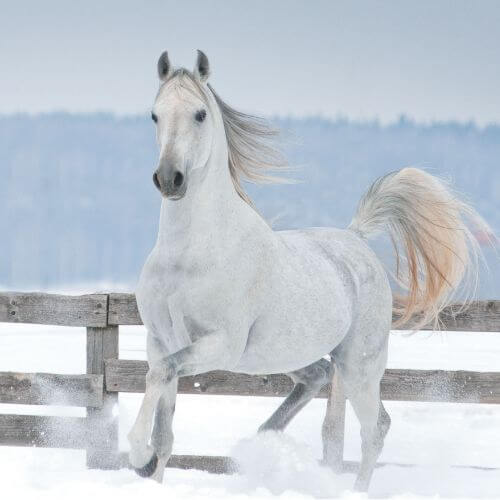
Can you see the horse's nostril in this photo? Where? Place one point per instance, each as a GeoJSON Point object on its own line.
{"type": "Point", "coordinates": [156, 181]}
{"type": "Point", "coordinates": [178, 179]}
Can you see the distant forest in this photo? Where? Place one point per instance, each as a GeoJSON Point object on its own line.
{"type": "Point", "coordinates": [77, 203]}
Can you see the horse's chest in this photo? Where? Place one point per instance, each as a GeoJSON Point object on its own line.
{"type": "Point", "coordinates": [168, 290]}
{"type": "Point", "coordinates": [155, 286]}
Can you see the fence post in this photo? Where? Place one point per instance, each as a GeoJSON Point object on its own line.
{"type": "Point", "coordinates": [334, 426]}
{"type": "Point", "coordinates": [102, 423]}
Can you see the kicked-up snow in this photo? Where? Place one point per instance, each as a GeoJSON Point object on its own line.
{"type": "Point", "coordinates": [437, 437]}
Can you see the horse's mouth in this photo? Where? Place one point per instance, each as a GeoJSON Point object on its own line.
{"type": "Point", "coordinates": [176, 195]}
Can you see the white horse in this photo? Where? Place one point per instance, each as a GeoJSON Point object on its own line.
{"type": "Point", "coordinates": [222, 291]}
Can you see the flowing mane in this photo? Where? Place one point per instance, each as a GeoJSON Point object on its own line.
{"type": "Point", "coordinates": [251, 140]}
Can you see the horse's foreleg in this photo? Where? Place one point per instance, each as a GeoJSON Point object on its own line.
{"type": "Point", "coordinates": [207, 353]}
{"type": "Point", "coordinates": [162, 438]}
{"type": "Point", "coordinates": [142, 456]}
{"type": "Point", "coordinates": [308, 383]}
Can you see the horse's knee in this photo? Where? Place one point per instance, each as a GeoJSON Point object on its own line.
{"type": "Point", "coordinates": [160, 375]}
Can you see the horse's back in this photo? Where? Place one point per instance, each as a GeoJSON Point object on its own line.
{"type": "Point", "coordinates": [338, 259]}
{"type": "Point", "coordinates": [336, 249]}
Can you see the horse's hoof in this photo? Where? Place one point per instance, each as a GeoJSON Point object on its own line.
{"type": "Point", "coordinates": [149, 469]}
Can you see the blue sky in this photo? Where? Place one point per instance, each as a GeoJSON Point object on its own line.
{"type": "Point", "coordinates": [432, 60]}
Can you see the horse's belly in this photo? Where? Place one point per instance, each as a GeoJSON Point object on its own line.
{"type": "Point", "coordinates": [289, 340]}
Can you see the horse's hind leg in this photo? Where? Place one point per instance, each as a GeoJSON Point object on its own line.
{"type": "Point", "coordinates": [332, 431]}
{"type": "Point", "coordinates": [375, 422]}
{"type": "Point", "coordinates": [361, 365]}
{"type": "Point", "coordinates": [308, 382]}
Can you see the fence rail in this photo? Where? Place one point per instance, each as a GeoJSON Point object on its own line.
{"type": "Point", "coordinates": [51, 389]}
{"type": "Point", "coordinates": [397, 384]}
{"type": "Point", "coordinates": [106, 376]}
{"type": "Point", "coordinates": [53, 309]}
{"type": "Point", "coordinates": [114, 309]}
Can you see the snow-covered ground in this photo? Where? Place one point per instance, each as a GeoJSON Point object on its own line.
{"type": "Point", "coordinates": [435, 436]}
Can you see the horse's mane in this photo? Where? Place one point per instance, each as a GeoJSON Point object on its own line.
{"type": "Point", "coordinates": [252, 147]}
{"type": "Point", "coordinates": [251, 142]}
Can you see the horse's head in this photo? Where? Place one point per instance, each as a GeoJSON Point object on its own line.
{"type": "Point", "coordinates": [194, 125]}
{"type": "Point", "coordinates": [184, 124]}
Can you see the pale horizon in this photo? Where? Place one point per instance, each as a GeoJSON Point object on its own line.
{"type": "Point", "coordinates": [391, 121]}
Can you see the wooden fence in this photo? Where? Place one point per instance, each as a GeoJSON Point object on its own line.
{"type": "Point", "coordinates": [107, 375]}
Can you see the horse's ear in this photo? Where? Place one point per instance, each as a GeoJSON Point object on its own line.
{"type": "Point", "coordinates": [164, 67]}
{"type": "Point", "coordinates": [202, 68]}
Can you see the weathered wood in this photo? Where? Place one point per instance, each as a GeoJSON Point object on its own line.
{"type": "Point", "coordinates": [479, 316]}
{"type": "Point", "coordinates": [93, 310]}
{"type": "Point", "coordinates": [213, 464]}
{"type": "Point", "coordinates": [129, 376]}
{"type": "Point", "coordinates": [441, 386]}
{"type": "Point", "coordinates": [102, 344]}
{"type": "Point", "coordinates": [51, 389]}
{"type": "Point", "coordinates": [123, 309]}
{"type": "Point", "coordinates": [397, 385]}
{"type": "Point", "coordinates": [124, 375]}
{"type": "Point", "coordinates": [52, 309]}
{"type": "Point", "coordinates": [49, 432]}
{"type": "Point", "coordinates": [208, 463]}
{"type": "Point", "coordinates": [102, 449]}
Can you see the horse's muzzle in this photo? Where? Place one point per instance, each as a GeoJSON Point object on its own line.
{"type": "Point", "coordinates": [170, 182]}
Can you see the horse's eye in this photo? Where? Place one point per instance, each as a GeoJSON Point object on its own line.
{"type": "Point", "coordinates": [154, 118]}
{"type": "Point", "coordinates": [200, 115]}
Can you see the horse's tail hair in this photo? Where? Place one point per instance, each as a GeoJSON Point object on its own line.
{"type": "Point", "coordinates": [430, 224]}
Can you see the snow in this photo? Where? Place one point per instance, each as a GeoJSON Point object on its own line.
{"type": "Point", "coordinates": [436, 436]}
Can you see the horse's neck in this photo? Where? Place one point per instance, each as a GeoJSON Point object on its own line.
{"type": "Point", "coordinates": [209, 208]}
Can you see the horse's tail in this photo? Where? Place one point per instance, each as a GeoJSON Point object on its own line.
{"type": "Point", "coordinates": [428, 222]}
